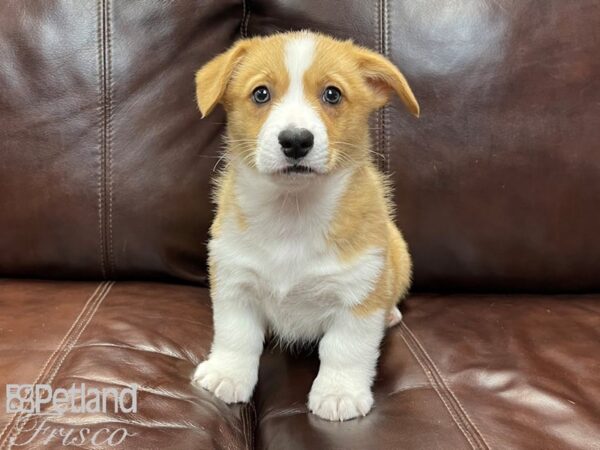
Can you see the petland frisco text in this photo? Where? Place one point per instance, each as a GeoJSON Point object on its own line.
{"type": "Point", "coordinates": [35, 405]}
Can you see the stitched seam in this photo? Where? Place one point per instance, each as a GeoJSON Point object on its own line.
{"type": "Point", "coordinates": [243, 426]}
{"type": "Point", "coordinates": [437, 390]}
{"type": "Point", "coordinates": [100, 183]}
{"type": "Point", "coordinates": [105, 191]}
{"type": "Point", "coordinates": [244, 16]}
{"type": "Point", "coordinates": [245, 19]}
{"type": "Point", "coordinates": [73, 338]}
{"type": "Point", "coordinates": [445, 389]}
{"type": "Point", "coordinates": [242, 34]}
{"type": "Point", "coordinates": [248, 423]}
{"type": "Point", "coordinates": [104, 138]}
{"type": "Point", "coordinates": [66, 350]}
{"type": "Point", "coordinates": [379, 113]}
{"type": "Point", "coordinates": [251, 412]}
{"type": "Point", "coordinates": [82, 328]}
{"type": "Point", "coordinates": [53, 356]}
{"type": "Point", "coordinates": [243, 417]}
{"type": "Point", "coordinates": [248, 417]}
{"type": "Point", "coordinates": [446, 386]}
{"type": "Point", "coordinates": [444, 383]}
{"type": "Point", "coordinates": [109, 135]}
{"type": "Point", "coordinates": [244, 412]}
{"type": "Point", "coordinates": [248, 21]}
{"type": "Point", "coordinates": [386, 108]}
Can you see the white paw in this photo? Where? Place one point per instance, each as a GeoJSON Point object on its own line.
{"type": "Point", "coordinates": [339, 403]}
{"type": "Point", "coordinates": [232, 385]}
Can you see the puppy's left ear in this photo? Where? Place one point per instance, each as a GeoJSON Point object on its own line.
{"type": "Point", "coordinates": [213, 77]}
{"type": "Point", "coordinates": [384, 78]}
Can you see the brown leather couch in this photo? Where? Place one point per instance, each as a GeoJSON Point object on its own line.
{"type": "Point", "coordinates": [104, 175]}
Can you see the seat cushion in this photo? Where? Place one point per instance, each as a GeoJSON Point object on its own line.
{"type": "Point", "coordinates": [460, 372]}
{"type": "Point", "coordinates": [113, 335]}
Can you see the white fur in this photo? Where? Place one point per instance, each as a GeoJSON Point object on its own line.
{"type": "Point", "coordinates": [231, 371]}
{"type": "Point", "coordinates": [348, 353]}
{"type": "Point", "coordinates": [293, 111]}
{"type": "Point", "coordinates": [283, 259]}
{"type": "Point", "coordinates": [279, 273]}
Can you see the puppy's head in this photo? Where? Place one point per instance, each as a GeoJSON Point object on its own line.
{"type": "Point", "coordinates": [298, 103]}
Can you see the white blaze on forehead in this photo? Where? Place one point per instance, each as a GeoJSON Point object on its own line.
{"type": "Point", "coordinates": [299, 55]}
{"type": "Point", "coordinates": [293, 110]}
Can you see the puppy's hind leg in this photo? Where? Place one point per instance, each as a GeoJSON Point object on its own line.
{"type": "Point", "coordinates": [394, 317]}
{"type": "Point", "coordinates": [401, 269]}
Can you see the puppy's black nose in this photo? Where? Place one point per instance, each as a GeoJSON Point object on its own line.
{"type": "Point", "coordinates": [296, 142]}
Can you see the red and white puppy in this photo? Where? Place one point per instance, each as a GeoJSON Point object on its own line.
{"type": "Point", "coordinates": [303, 244]}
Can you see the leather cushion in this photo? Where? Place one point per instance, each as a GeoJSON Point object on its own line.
{"type": "Point", "coordinates": [462, 371]}
{"type": "Point", "coordinates": [105, 164]}
{"type": "Point", "coordinates": [113, 335]}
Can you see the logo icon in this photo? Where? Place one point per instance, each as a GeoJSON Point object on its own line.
{"type": "Point", "coordinates": [20, 398]}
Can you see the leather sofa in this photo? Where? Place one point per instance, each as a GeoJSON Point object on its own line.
{"type": "Point", "coordinates": [104, 211]}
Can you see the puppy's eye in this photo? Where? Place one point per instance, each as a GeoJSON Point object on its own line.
{"type": "Point", "coordinates": [332, 95]}
{"type": "Point", "coordinates": [261, 95]}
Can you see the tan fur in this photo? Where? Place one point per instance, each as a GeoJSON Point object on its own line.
{"type": "Point", "coordinates": [364, 217]}
{"type": "Point", "coordinates": [227, 203]}
{"type": "Point", "coordinates": [364, 220]}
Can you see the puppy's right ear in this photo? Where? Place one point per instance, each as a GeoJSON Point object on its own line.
{"type": "Point", "coordinates": [213, 77]}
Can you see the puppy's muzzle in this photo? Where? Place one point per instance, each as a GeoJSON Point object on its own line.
{"type": "Point", "coordinates": [296, 143]}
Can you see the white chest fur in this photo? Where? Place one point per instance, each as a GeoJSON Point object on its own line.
{"type": "Point", "coordinates": [281, 261]}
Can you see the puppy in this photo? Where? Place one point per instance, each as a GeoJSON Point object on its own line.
{"type": "Point", "coordinates": [303, 244]}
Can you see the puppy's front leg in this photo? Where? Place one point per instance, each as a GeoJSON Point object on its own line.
{"type": "Point", "coordinates": [231, 371]}
{"type": "Point", "coordinates": [348, 352]}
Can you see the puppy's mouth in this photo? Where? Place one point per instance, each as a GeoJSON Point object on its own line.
{"type": "Point", "coordinates": [296, 170]}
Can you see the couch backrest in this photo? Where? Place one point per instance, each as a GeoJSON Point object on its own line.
{"type": "Point", "coordinates": [104, 162]}
{"type": "Point", "coordinates": [105, 165]}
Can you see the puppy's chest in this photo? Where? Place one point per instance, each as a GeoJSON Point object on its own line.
{"type": "Point", "coordinates": [282, 269]}
{"type": "Point", "coordinates": [295, 278]}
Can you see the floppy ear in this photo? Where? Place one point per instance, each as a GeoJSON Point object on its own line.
{"type": "Point", "coordinates": [385, 78]}
{"type": "Point", "coordinates": [213, 77]}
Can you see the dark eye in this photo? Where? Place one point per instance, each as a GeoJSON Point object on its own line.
{"type": "Point", "coordinates": [332, 95]}
{"type": "Point", "coordinates": [261, 94]}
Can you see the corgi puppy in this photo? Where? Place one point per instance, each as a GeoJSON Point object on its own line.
{"type": "Point", "coordinates": [303, 244]}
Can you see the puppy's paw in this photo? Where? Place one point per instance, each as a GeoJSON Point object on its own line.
{"type": "Point", "coordinates": [230, 384]}
{"type": "Point", "coordinates": [339, 403]}
{"type": "Point", "coordinates": [394, 317]}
